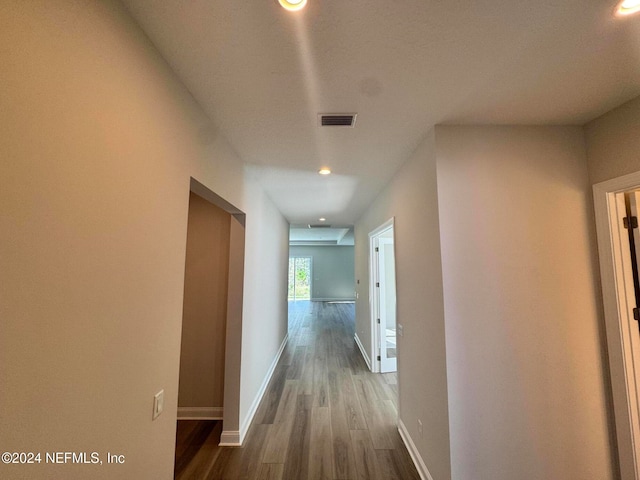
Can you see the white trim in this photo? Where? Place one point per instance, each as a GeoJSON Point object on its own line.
{"type": "Point", "coordinates": [374, 301]}
{"type": "Point", "coordinates": [423, 471]}
{"type": "Point", "coordinates": [616, 283]}
{"type": "Point", "coordinates": [230, 438]}
{"type": "Point", "coordinates": [362, 351]}
{"type": "Point", "coordinates": [382, 228]}
{"type": "Point", "coordinates": [334, 299]}
{"type": "Point", "coordinates": [387, 364]}
{"type": "Point", "coordinates": [235, 438]}
{"type": "Point", "coordinates": [200, 413]}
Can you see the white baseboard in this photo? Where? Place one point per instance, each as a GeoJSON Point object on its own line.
{"type": "Point", "coordinates": [235, 438]}
{"type": "Point", "coordinates": [200, 413]}
{"type": "Point", "coordinates": [423, 471]}
{"type": "Point", "coordinates": [363, 352]}
{"type": "Point", "coordinates": [230, 438]}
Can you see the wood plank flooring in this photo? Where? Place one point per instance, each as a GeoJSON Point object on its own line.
{"type": "Point", "coordinates": [323, 416]}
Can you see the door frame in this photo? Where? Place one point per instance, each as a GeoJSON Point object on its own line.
{"type": "Point", "coordinates": [232, 434]}
{"type": "Point", "coordinates": [391, 364]}
{"type": "Point", "coordinates": [618, 301]}
{"type": "Point", "coordinates": [374, 303]}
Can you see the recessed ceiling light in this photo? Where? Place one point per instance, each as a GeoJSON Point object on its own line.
{"type": "Point", "coordinates": [322, 219]}
{"type": "Point", "coordinates": [324, 171]}
{"type": "Point", "coordinates": [292, 5]}
{"type": "Point", "coordinates": [627, 7]}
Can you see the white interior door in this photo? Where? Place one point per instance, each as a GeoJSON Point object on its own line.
{"type": "Point", "coordinates": [387, 304]}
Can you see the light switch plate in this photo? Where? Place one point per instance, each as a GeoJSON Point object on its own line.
{"type": "Point", "coordinates": [158, 404]}
{"type": "Point", "coordinates": [400, 330]}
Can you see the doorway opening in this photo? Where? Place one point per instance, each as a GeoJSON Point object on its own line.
{"type": "Point", "coordinates": [299, 278]}
{"type": "Point", "coordinates": [382, 290]}
{"type": "Point", "coordinates": [209, 381]}
{"type": "Point", "coordinates": [616, 208]}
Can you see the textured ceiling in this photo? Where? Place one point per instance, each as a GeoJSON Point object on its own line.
{"type": "Point", "coordinates": [263, 74]}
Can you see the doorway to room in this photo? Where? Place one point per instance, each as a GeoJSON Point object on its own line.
{"type": "Point", "coordinates": [383, 295]}
{"type": "Point", "coordinates": [209, 381]}
{"type": "Point", "coordinates": [204, 313]}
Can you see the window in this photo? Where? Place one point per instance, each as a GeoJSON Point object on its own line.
{"type": "Point", "coordinates": [299, 278]}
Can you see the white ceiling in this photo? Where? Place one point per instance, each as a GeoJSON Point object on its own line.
{"type": "Point", "coordinates": [263, 74]}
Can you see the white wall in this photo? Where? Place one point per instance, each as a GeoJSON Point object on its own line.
{"type": "Point", "coordinates": [332, 269]}
{"type": "Point", "coordinates": [412, 198]}
{"type": "Point", "coordinates": [524, 361]}
{"type": "Point", "coordinates": [98, 143]}
{"type": "Point", "coordinates": [265, 322]}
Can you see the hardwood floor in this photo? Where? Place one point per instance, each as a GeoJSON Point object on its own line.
{"type": "Point", "coordinates": [323, 416]}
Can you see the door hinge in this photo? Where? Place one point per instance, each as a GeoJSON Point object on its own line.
{"type": "Point", "coordinates": [377, 249]}
{"type": "Point", "coordinates": [377, 284]}
{"type": "Point", "coordinates": [636, 313]}
{"type": "Point", "coordinates": [630, 220]}
{"type": "Point", "coordinates": [378, 357]}
{"type": "Point", "coordinates": [378, 321]}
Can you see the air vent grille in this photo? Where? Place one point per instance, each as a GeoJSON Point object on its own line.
{"type": "Point", "coordinates": [337, 119]}
{"type": "Point", "coordinates": [319, 225]}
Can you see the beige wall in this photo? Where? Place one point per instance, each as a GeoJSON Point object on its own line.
{"type": "Point", "coordinates": [204, 317]}
{"type": "Point", "coordinates": [526, 390]}
{"type": "Point", "coordinates": [98, 143]}
{"type": "Point", "coordinates": [613, 143]}
{"type": "Point", "coordinates": [412, 198]}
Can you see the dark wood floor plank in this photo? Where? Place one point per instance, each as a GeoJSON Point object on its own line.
{"type": "Point", "coordinates": [227, 465]}
{"type": "Point", "coordinates": [297, 463]}
{"type": "Point", "coordinates": [365, 456]}
{"type": "Point", "coordinates": [271, 471]}
{"type": "Point", "coordinates": [320, 447]}
{"type": "Point", "coordinates": [306, 380]}
{"type": "Point", "coordinates": [353, 409]}
{"type": "Point", "coordinates": [201, 463]}
{"type": "Point", "coordinates": [275, 450]}
{"type": "Point", "coordinates": [252, 451]}
{"type": "Point", "coordinates": [380, 429]}
{"type": "Point", "coordinates": [190, 435]}
{"type": "Point", "coordinates": [404, 463]}
{"type": "Point", "coordinates": [388, 465]}
{"type": "Point", "coordinates": [295, 369]}
{"type": "Point", "coordinates": [271, 400]}
{"type": "Point", "coordinates": [343, 459]}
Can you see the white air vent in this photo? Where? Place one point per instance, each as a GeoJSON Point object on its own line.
{"type": "Point", "coordinates": [319, 225]}
{"type": "Point", "coordinates": [337, 119]}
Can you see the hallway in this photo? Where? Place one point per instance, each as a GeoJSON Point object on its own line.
{"type": "Point", "coordinates": [323, 416]}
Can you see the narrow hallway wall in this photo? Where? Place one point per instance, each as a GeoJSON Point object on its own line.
{"type": "Point", "coordinates": [525, 373]}
{"type": "Point", "coordinates": [411, 197]}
